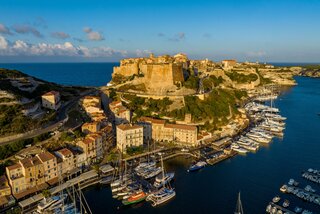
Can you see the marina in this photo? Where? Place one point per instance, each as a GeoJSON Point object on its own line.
{"type": "Point", "coordinates": [259, 173]}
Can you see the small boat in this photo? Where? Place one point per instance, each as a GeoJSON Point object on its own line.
{"type": "Point", "coordinates": [163, 179]}
{"type": "Point", "coordinates": [286, 203]}
{"type": "Point", "coordinates": [276, 199]}
{"type": "Point", "coordinates": [199, 165]}
{"type": "Point", "coordinates": [298, 209]}
{"type": "Point", "coordinates": [161, 196]}
{"type": "Point", "coordinates": [284, 188]}
{"type": "Point", "coordinates": [279, 212]}
{"type": "Point", "coordinates": [291, 181]}
{"type": "Point", "coordinates": [135, 198]}
{"type": "Point", "coordinates": [268, 209]}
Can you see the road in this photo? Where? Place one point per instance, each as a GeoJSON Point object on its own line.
{"type": "Point", "coordinates": [62, 117]}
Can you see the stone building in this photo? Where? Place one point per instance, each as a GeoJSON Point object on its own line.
{"type": "Point", "coordinates": [51, 100]}
{"type": "Point", "coordinates": [162, 131]}
{"type": "Point", "coordinates": [129, 136]}
{"type": "Point", "coordinates": [68, 161]}
{"type": "Point", "coordinates": [121, 113]}
{"type": "Point", "coordinates": [91, 127]}
{"type": "Point", "coordinates": [228, 63]}
{"type": "Point", "coordinates": [50, 165]}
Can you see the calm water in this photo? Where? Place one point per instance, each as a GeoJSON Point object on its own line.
{"type": "Point", "coordinates": [258, 176]}
{"type": "Point", "coordinates": [85, 74]}
{"type": "Point", "coordinates": [214, 189]}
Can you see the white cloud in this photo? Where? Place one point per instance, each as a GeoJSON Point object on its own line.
{"type": "Point", "coordinates": [4, 30]}
{"type": "Point", "coordinates": [21, 48]}
{"type": "Point", "coordinates": [93, 35]}
{"type": "Point", "coordinates": [256, 53]}
{"type": "Point", "coordinates": [142, 53]}
{"type": "Point", "coordinates": [60, 35]}
{"type": "Point", "coordinates": [3, 43]}
{"type": "Point", "coordinates": [26, 29]}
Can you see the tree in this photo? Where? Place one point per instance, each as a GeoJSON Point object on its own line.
{"type": "Point", "coordinates": [46, 193]}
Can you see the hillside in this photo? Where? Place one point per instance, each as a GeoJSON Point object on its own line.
{"type": "Point", "coordinates": [20, 101]}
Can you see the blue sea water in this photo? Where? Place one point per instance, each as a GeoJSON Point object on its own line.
{"type": "Point", "coordinates": [214, 189]}
{"type": "Point", "coordinates": [257, 175]}
{"type": "Point", "coordinates": [84, 74]}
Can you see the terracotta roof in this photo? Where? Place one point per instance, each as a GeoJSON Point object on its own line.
{"type": "Point", "coordinates": [88, 141]}
{"type": "Point", "coordinates": [36, 161]}
{"type": "Point", "coordinates": [152, 120]}
{"type": "Point", "coordinates": [65, 152]}
{"type": "Point", "coordinates": [45, 156]}
{"type": "Point", "coordinates": [51, 93]}
{"type": "Point", "coordinates": [128, 127]}
{"type": "Point", "coordinates": [181, 126]}
{"type": "Point", "coordinates": [15, 166]}
{"type": "Point", "coordinates": [26, 163]}
{"type": "Point", "coordinates": [115, 103]}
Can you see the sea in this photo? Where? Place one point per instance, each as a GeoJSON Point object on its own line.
{"type": "Point", "coordinates": [214, 189]}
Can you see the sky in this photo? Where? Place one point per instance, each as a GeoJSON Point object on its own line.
{"type": "Point", "coordinates": [109, 30]}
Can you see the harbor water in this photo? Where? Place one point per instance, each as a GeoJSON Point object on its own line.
{"type": "Point", "coordinates": [214, 189]}
{"type": "Point", "coordinates": [257, 175]}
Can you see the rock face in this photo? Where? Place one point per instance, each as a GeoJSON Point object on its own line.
{"type": "Point", "coordinates": [308, 73]}
{"type": "Point", "coordinates": [159, 73]}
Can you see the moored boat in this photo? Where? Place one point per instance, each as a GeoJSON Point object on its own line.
{"type": "Point", "coordinates": [135, 198]}
{"type": "Point", "coordinates": [199, 165]}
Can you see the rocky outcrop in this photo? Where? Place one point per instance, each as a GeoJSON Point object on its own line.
{"type": "Point", "coordinates": [310, 73]}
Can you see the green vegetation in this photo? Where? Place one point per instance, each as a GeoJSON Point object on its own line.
{"type": "Point", "coordinates": [12, 120]}
{"type": "Point", "coordinates": [12, 148]}
{"type": "Point", "coordinates": [6, 99]}
{"type": "Point", "coordinates": [135, 150]}
{"type": "Point", "coordinates": [139, 87]}
{"type": "Point", "coordinates": [112, 94]}
{"type": "Point", "coordinates": [211, 82]}
{"type": "Point", "coordinates": [263, 81]}
{"type": "Point", "coordinates": [146, 107]}
{"type": "Point", "coordinates": [241, 78]}
{"type": "Point", "coordinates": [46, 193]}
{"type": "Point", "coordinates": [16, 210]}
{"type": "Point", "coordinates": [216, 107]}
{"type": "Point", "coordinates": [67, 136]}
{"type": "Point", "coordinates": [118, 78]}
{"type": "Point", "coordinates": [192, 82]}
{"type": "Point", "coordinates": [312, 67]}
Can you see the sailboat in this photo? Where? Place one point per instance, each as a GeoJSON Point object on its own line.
{"type": "Point", "coordinates": [239, 208]}
{"type": "Point", "coordinates": [163, 195]}
{"type": "Point", "coordinates": [163, 178]}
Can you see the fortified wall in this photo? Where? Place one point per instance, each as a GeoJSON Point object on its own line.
{"type": "Point", "coordinates": [159, 72]}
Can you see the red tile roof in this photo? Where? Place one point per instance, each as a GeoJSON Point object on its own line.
{"type": "Point", "coordinates": [65, 152]}
{"type": "Point", "coordinates": [46, 156]}
{"type": "Point", "coordinates": [51, 93]}
{"type": "Point", "coordinates": [181, 126]}
{"type": "Point", "coordinates": [15, 166]}
{"type": "Point", "coordinates": [128, 127]}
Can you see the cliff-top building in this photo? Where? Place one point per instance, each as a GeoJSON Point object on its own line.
{"type": "Point", "coordinates": [159, 72]}
{"type": "Point", "coordinates": [51, 100]}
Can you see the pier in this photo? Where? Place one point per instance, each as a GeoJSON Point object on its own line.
{"type": "Point", "coordinates": [84, 180]}
{"type": "Point", "coordinates": [284, 210]}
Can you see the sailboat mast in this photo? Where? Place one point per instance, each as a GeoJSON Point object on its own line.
{"type": "Point", "coordinates": [239, 209]}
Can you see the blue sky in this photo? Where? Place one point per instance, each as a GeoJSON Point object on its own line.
{"type": "Point", "coordinates": [260, 30]}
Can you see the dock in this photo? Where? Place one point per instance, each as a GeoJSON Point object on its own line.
{"type": "Point", "coordinates": [284, 210]}
{"type": "Point", "coordinates": [82, 181]}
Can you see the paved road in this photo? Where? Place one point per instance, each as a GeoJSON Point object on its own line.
{"type": "Point", "coordinates": [62, 117]}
